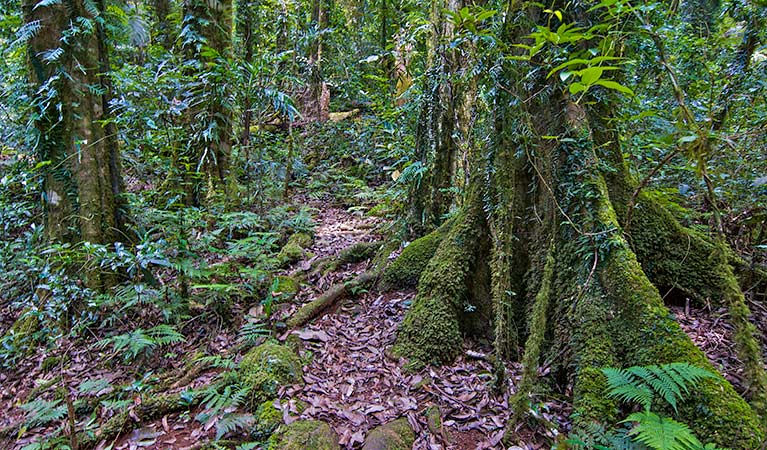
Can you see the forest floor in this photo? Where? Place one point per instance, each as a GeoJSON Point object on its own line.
{"type": "Point", "coordinates": [351, 382]}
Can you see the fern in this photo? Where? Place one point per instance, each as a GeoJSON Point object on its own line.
{"type": "Point", "coordinates": [233, 421]}
{"type": "Point", "coordinates": [250, 332]}
{"type": "Point", "coordinates": [141, 341]}
{"type": "Point", "coordinates": [641, 384]}
{"type": "Point", "coordinates": [662, 433]}
{"type": "Point", "coordinates": [42, 412]}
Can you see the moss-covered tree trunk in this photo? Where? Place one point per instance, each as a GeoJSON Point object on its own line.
{"type": "Point", "coordinates": [68, 66]}
{"type": "Point", "coordinates": [204, 161]}
{"type": "Point", "coordinates": [436, 148]}
{"type": "Point", "coordinates": [541, 234]}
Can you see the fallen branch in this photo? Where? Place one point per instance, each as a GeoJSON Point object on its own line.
{"type": "Point", "coordinates": [338, 291]}
{"type": "Point", "coordinates": [326, 301]}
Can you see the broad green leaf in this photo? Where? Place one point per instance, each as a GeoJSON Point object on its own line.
{"type": "Point", "coordinates": [591, 75]}
{"type": "Point", "coordinates": [614, 86]}
{"type": "Point", "coordinates": [577, 87]}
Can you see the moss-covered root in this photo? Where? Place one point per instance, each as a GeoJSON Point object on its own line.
{"type": "Point", "coordinates": [151, 408]}
{"type": "Point", "coordinates": [395, 435]}
{"type": "Point", "coordinates": [431, 331]}
{"type": "Point", "coordinates": [267, 367]}
{"type": "Point", "coordinates": [675, 257]}
{"type": "Point", "coordinates": [406, 270]}
{"type": "Point", "coordinates": [304, 435]}
{"type": "Point", "coordinates": [649, 335]}
{"type": "Point", "coordinates": [534, 344]}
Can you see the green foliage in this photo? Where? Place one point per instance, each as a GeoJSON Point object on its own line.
{"type": "Point", "coordinates": [641, 384]}
{"type": "Point", "coordinates": [140, 342]}
{"type": "Point", "coordinates": [645, 386]}
{"type": "Point", "coordinates": [42, 412]}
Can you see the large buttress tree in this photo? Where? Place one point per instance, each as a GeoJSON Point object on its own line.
{"type": "Point", "coordinates": [539, 247]}
{"type": "Point", "coordinates": [76, 143]}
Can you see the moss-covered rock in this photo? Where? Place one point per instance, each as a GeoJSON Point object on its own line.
{"type": "Point", "coordinates": [287, 287]}
{"type": "Point", "coordinates": [395, 435]}
{"type": "Point", "coordinates": [267, 367]}
{"type": "Point", "coordinates": [304, 435]}
{"type": "Point", "coordinates": [406, 270]}
{"type": "Point", "coordinates": [295, 249]}
{"type": "Point", "coordinates": [268, 418]}
{"type": "Point", "coordinates": [303, 240]}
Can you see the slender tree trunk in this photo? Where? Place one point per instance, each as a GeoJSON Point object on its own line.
{"type": "Point", "coordinates": [208, 154]}
{"type": "Point", "coordinates": [431, 198]}
{"type": "Point", "coordinates": [82, 182]}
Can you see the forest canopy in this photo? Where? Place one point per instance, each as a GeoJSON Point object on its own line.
{"type": "Point", "coordinates": [319, 224]}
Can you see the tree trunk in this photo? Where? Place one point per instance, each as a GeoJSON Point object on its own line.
{"type": "Point", "coordinates": [72, 91]}
{"type": "Point", "coordinates": [564, 278]}
{"type": "Point", "coordinates": [207, 155]}
{"type": "Point", "coordinates": [436, 149]}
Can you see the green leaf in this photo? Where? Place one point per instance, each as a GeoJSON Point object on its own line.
{"type": "Point", "coordinates": [688, 139]}
{"type": "Point", "coordinates": [614, 86]}
{"type": "Point", "coordinates": [591, 75]}
{"type": "Point", "coordinates": [577, 87]}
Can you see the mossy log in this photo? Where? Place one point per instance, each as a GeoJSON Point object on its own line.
{"type": "Point", "coordinates": [355, 253]}
{"type": "Point", "coordinates": [327, 300]}
{"type": "Point", "coordinates": [338, 291]}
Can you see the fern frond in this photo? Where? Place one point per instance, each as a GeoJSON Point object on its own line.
{"type": "Point", "coordinates": [42, 412]}
{"type": "Point", "coordinates": [640, 384]}
{"type": "Point", "coordinates": [233, 421]}
{"type": "Point", "coordinates": [165, 335]}
{"type": "Point", "coordinates": [661, 383]}
{"type": "Point", "coordinates": [661, 433]}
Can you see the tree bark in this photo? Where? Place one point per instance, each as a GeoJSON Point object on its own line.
{"type": "Point", "coordinates": [564, 277]}
{"type": "Point", "coordinates": [72, 90]}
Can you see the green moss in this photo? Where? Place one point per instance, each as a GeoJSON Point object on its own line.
{"type": "Point", "coordinates": [50, 363]}
{"type": "Point", "coordinates": [290, 253]}
{"type": "Point", "coordinates": [304, 435]}
{"type": "Point", "coordinates": [295, 249]}
{"type": "Point", "coordinates": [675, 257]}
{"type": "Point", "coordinates": [303, 240]}
{"type": "Point", "coordinates": [434, 419]}
{"type": "Point", "coordinates": [268, 418]}
{"type": "Point", "coordinates": [650, 335]}
{"type": "Point", "coordinates": [406, 270]}
{"type": "Point", "coordinates": [431, 331]}
{"type": "Point", "coordinates": [267, 367]}
{"type": "Point", "coordinates": [534, 344]}
{"type": "Point", "coordinates": [288, 287]}
{"type": "Point", "coordinates": [395, 435]}
{"type": "Point", "coordinates": [19, 336]}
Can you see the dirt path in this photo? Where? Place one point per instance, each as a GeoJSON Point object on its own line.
{"type": "Point", "coordinates": [354, 384]}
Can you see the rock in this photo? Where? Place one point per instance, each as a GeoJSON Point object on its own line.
{"type": "Point", "coordinates": [304, 435]}
{"type": "Point", "coordinates": [395, 435]}
{"type": "Point", "coordinates": [287, 287]}
{"type": "Point", "coordinates": [268, 418]}
{"type": "Point", "coordinates": [267, 367]}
